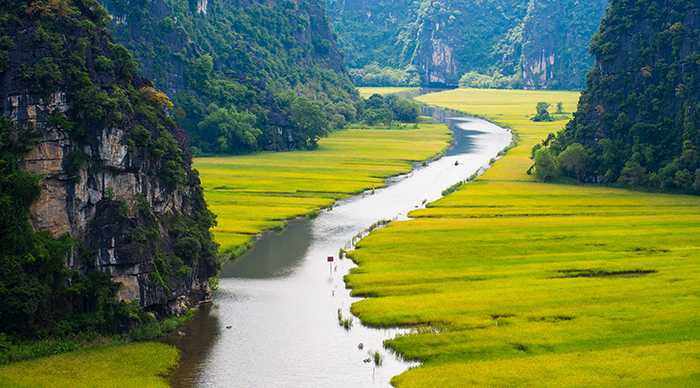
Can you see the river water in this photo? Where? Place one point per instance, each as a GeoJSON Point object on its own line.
{"type": "Point", "coordinates": [274, 319]}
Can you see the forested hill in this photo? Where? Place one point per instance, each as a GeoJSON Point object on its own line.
{"type": "Point", "coordinates": [638, 116]}
{"type": "Point", "coordinates": [234, 68]}
{"type": "Point", "coordinates": [496, 43]}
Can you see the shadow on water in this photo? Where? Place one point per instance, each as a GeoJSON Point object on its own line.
{"type": "Point", "coordinates": [202, 333]}
{"type": "Point", "coordinates": [275, 255]}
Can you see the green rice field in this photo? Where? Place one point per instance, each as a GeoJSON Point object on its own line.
{"type": "Point", "coordinates": [253, 193]}
{"type": "Point", "coordinates": [510, 282]}
{"type": "Point", "coordinates": [135, 365]}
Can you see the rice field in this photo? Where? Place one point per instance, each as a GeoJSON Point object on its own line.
{"type": "Point", "coordinates": [135, 365]}
{"type": "Point", "coordinates": [254, 193]}
{"type": "Point", "coordinates": [510, 282]}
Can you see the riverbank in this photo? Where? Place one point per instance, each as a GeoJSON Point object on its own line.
{"type": "Point", "coordinates": [535, 284]}
{"type": "Point", "coordinates": [254, 193]}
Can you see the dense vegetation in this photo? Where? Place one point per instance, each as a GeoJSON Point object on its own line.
{"type": "Point", "coordinates": [512, 282]}
{"type": "Point", "coordinates": [243, 77]}
{"type": "Point", "coordinates": [373, 75]}
{"type": "Point", "coordinates": [33, 277]}
{"type": "Point", "coordinates": [637, 120]}
{"type": "Point", "coordinates": [386, 109]}
{"type": "Point", "coordinates": [63, 46]}
{"type": "Point", "coordinates": [494, 43]}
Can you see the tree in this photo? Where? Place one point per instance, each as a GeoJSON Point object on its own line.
{"type": "Point", "coordinates": [633, 173]}
{"type": "Point", "coordinates": [376, 116]}
{"type": "Point", "coordinates": [308, 121]}
{"type": "Point", "coordinates": [404, 110]}
{"type": "Point", "coordinates": [573, 160]}
{"type": "Point", "coordinates": [201, 70]}
{"type": "Point", "coordinates": [545, 164]}
{"type": "Point", "coordinates": [560, 108]}
{"type": "Point", "coordinates": [376, 101]}
{"type": "Point", "coordinates": [542, 112]}
{"type": "Point", "coordinates": [230, 130]}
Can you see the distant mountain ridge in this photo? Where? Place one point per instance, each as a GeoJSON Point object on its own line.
{"type": "Point", "coordinates": [537, 43]}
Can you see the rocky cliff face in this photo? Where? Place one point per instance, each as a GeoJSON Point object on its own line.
{"type": "Point", "coordinates": [116, 170]}
{"type": "Point", "coordinates": [442, 39]}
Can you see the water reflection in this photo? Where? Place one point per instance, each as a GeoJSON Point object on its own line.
{"type": "Point", "coordinates": [201, 333]}
{"type": "Point", "coordinates": [275, 255]}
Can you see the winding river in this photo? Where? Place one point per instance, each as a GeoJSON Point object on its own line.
{"type": "Point", "coordinates": [274, 319]}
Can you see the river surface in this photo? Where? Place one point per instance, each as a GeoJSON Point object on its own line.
{"type": "Point", "coordinates": [274, 319]}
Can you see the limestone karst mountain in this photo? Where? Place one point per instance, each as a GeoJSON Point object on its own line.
{"type": "Point", "coordinates": [115, 176]}
{"type": "Point", "coordinates": [527, 44]}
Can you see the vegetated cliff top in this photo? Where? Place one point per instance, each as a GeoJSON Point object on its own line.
{"type": "Point", "coordinates": [639, 115]}
{"type": "Point", "coordinates": [517, 43]}
{"type": "Point", "coordinates": [242, 55]}
{"type": "Point", "coordinates": [116, 180]}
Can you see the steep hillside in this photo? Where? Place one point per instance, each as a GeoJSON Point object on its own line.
{"type": "Point", "coordinates": [518, 43]}
{"type": "Point", "coordinates": [105, 169]}
{"type": "Point", "coordinates": [242, 56]}
{"type": "Point", "coordinates": [638, 117]}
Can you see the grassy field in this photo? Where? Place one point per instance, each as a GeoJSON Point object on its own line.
{"type": "Point", "coordinates": [135, 365]}
{"type": "Point", "coordinates": [519, 283]}
{"type": "Point", "coordinates": [258, 192]}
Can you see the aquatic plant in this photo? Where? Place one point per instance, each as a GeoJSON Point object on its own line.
{"type": "Point", "coordinates": [377, 358]}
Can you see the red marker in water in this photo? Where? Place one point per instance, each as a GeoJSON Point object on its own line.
{"type": "Point", "coordinates": [330, 262]}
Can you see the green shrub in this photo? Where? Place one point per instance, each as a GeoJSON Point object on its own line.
{"type": "Point", "coordinates": [123, 210]}
{"type": "Point", "coordinates": [103, 64]}
{"type": "Point", "coordinates": [77, 159]}
{"type": "Point", "coordinates": [141, 136]}
{"type": "Point", "coordinates": [44, 77]}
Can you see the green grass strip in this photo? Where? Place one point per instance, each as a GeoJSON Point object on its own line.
{"type": "Point", "coordinates": [134, 365]}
